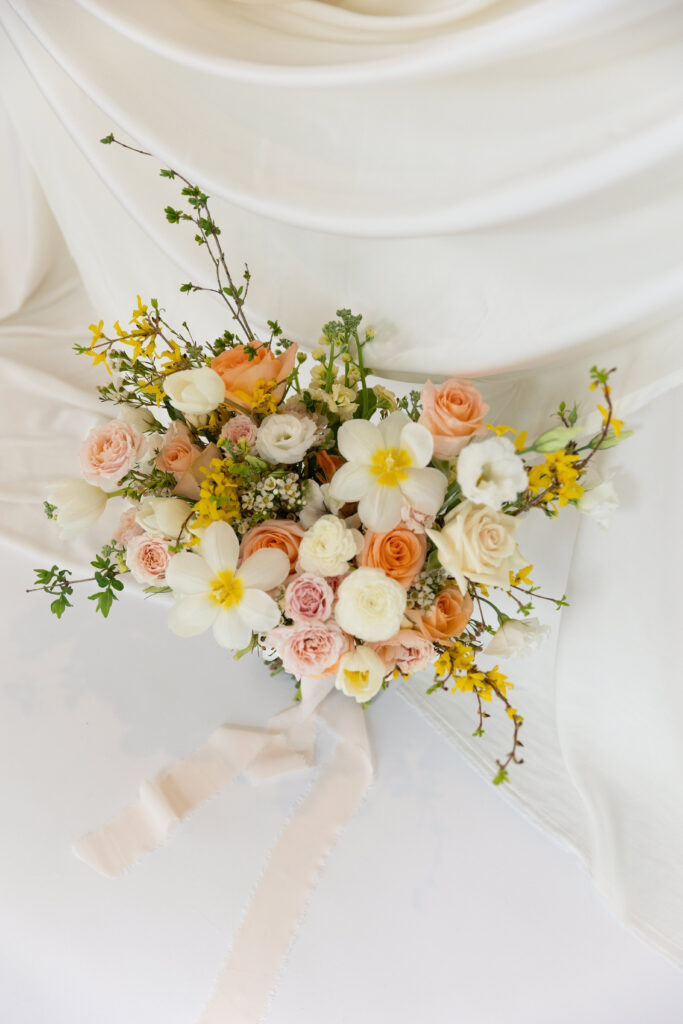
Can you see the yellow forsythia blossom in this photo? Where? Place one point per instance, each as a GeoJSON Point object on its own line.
{"type": "Point", "coordinates": [218, 497]}
{"type": "Point", "coordinates": [559, 476]}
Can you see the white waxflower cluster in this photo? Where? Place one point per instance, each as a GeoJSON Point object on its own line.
{"type": "Point", "coordinates": [272, 495]}
{"type": "Point", "coordinates": [424, 589]}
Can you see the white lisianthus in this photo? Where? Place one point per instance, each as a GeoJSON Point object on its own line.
{"type": "Point", "coordinates": [195, 392]}
{"type": "Point", "coordinates": [78, 504]}
{"type": "Point", "coordinates": [517, 638]}
{"type": "Point", "coordinates": [370, 605]}
{"type": "Point", "coordinates": [490, 472]}
{"type": "Point", "coordinates": [328, 547]}
{"type": "Point", "coordinates": [477, 543]}
{"type": "Point", "coordinates": [318, 503]}
{"type": "Point", "coordinates": [386, 463]}
{"type": "Point", "coordinates": [599, 499]}
{"type": "Point", "coordinates": [213, 592]}
{"type": "Point", "coordinates": [361, 673]}
{"type": "Point", "coordinates": [164, 517]}
{"type": "Point", "coordinates": [284, 437]}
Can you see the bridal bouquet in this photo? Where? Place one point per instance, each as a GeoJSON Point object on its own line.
{"type": "Point", "coordinates": [294, 508]}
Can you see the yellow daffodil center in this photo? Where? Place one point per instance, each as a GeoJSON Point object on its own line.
{"type": "Point", "coordinates": [389, 465]}
{"type": "Point", "coordinates": [357, 678]}
{"type": "Point", "coordinates": [226, 589]}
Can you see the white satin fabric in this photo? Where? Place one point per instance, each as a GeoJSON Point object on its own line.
{"type": "Point", "coordinates": [496, 186]}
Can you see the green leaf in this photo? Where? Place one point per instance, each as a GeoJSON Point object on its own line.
{"type": "Point", "coordinates": [165, 173]}
{"type": "Point", "coordinates": [186, 287]}
{"type": "Point", "coordinates": [108, 139]}
{"type": "Point", "coordinates": [59, 606]}
{"type": "Point", "coordinates": [501, 777]}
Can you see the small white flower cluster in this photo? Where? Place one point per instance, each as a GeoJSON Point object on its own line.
{"type": "Point", "coordinates": [273, 495]}
{"type": "Point", "coordinates": [424, 590]}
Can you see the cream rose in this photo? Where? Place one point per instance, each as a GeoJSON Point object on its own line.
{"type": "Point", "coordinates": [370, 605]}
{"type": "Point", "coordinates": [328, 547]}
{"type": "Point", "coordinates": [164, 517]}
{"type": "Point", "coordinates": [478, 544]}
{"type": "Point", "coordinates": [284, 437]}
{"type": "Point", "coordinates": [361, 674]}
{"type": "Point", "coordinates": [195, 392]}
{"type": "Point", "coordinates": [78, 504]}
{"type": "Point", "coordinates": [490, 472]}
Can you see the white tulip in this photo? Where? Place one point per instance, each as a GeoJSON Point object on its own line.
{"type": "Point", "coordinates": [490, 472]}
{"type": "Point", "coordinates": [78, 504]}
{"type": "Point", "coordinates": [284, 437]}
{"type": "Point", "coordinates": [213, 592]}
{"type": "Point", "coordinates": [517, 638]}
{"type": "Point", "coordinates": [370, 605]}
{"type": "Point", "coordinates": [164, 517]}
{"type": "Point", "coordinates": [361, 673]}
{"type": "Point", "coordinates": [195, 392]}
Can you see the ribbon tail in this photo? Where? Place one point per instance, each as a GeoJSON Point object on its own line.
{"type": "Point", "coordinates": [247, 979]}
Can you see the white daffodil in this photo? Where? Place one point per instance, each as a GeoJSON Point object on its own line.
{"type": "Point", "coordinates": [387, 463]}
{"type": "Point", "coordinates": [214, 592]}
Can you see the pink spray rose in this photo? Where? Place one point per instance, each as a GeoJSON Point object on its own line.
{"type": "Point", "coordinates": [240, 427]}
{"type": "Point", "coordinates": [311, 648]}
{"type": "Point", "coordinates": [407, 650]}
{"type": "Point", "coordinates": [128, 526]}
{"type": "Point", "coordinates": [109, 452]}
{"type": "Point", "coordinates": [309, 597]}
{"type": "Point", "coordinates": [147, 557]}
{"type": "Point", "coordinates": [452, 414]}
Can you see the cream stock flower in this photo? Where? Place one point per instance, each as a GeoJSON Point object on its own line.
{"type": "Point", "coordinates": [328, 547]}
{"type": "Point", "coordinates": [215, 593]}
{"type": "Point", "coordinates": [195, 392]}
{"type": "Point", "coordinates": [490, 472]}
{"type": "Point", "coordinates": [387, 463]}
{"type": "Point", "coordinates": [478, 544]}
{"type": "Point", "coordinates": [370, 605]}
{"type": "Point", "coordinates": [361, 674]}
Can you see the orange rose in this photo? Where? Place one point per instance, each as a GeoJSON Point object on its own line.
{"type": "Point", "coordinates": [240, 373]}
{"type": "Point", "coordinates": [284, 534]}
{"type": "Point", "coordinates": [447, 617]}
{"type": "Point", "coordinates": [452, 414]}
{"type": "Point", "coordinates": [328, 464]}
{"type": "Point", "coordinates": [400, 553]}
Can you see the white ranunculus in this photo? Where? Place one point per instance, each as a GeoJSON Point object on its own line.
{"type": "Point", "coordinates": [195, 392]}
{"type": "Point", "coordinates": [517, 638]}
{"type": "Point", "coordinates": [477, 543]}
{"type": "Point", "coordinates": [284, 437]}
{"type": "Point", "coordinates": [599, 499]}
{"type": "Point", "coordinates": [370, 605]}
{"type": "Point", "coordinates": [361, 673]}
{"type": "Point", "coordinates": [78, 504]}
{"type": "Point", "coordinates": [387, 464]}
{"type": "Point", "coordinates": [328, 547]}
{"type": "Point", "coordinates": [164, 517]}
{"type": "Point", "coordinates": [214, 593]}
{"type": "Point", "coordinates": [490, 472]}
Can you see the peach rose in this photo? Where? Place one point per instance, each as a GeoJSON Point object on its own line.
{"type": "Point", "coordinates": [400, 553]}
{"type": "Point", "coordinates": [190, 481]}
{"type": "Point", "coordinates": [452, 414]}
{"type": "Point", "coordinates": [240, 373]}
{"type": "Point", "coordinates": [284, 534]}
{"type": "Point", "coordinates": [109, 452]}
{"type": "Point", "coordinates": [177, 452]}
{"type": "Point", "coordinates": [447, 617]}
{"type": "Point", "coordinates": [408, 651]}
{"type": "Point", "coordinates": [147, 557]}
{"type": "Point", "coordinates": [310, 648]}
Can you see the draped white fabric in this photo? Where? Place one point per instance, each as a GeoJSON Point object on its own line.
{"type": "Point", "coordinates": [496, 186]}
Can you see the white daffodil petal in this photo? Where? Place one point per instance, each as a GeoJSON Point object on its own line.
{"type": "Point", "coordinates": [419, 442]}
{"type": "Point", "coordinates": [391, 428]}
{"type": "Point", "coordinates": [259, 610]}
{"type": "Point", "coordinates": [230, 630]}
{"type": "Point", "coordinates": [424, 489]}
{"type": "Point", "coordinates": [192, 615]}
{"type": "Point", "coordinates": [380, 508]}
{"type": "Point", "coordinates": [265, 569]}
{"type": "Point", "coordinates": [350, 482]}
{"type": "Point", "coordinates": [220, 546]}
{"type": "Point", "coordinates": [188, 574]}
{"type": "Point", "coordinates": [358, 440]}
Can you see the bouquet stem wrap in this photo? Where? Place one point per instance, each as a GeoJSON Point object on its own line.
{"type": "Point", "coordinates": [286, 744]}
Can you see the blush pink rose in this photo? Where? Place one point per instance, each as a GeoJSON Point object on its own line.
{"type": "Point", "coordinates": [240, 428]}
{"type": "Point", "coordinates": [452, 414]}
{"type": "Point", "coordinates": [309, 597]}
{"type": "Point", "coordinates": [147, 557]}
{"type": "Point", "coordinates": [407, 650]}
{"type": "Point", "coordinates": [128, 526]}
{"type": "Point", "coordinates": [109, 452]}
{"type": "Point", "coordinates": [310, 649]}
{"type": "Point", "coordinates": [177, 452]}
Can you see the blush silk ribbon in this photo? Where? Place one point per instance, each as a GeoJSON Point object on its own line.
{"type": "Point", "coordinates": [248, 977]}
